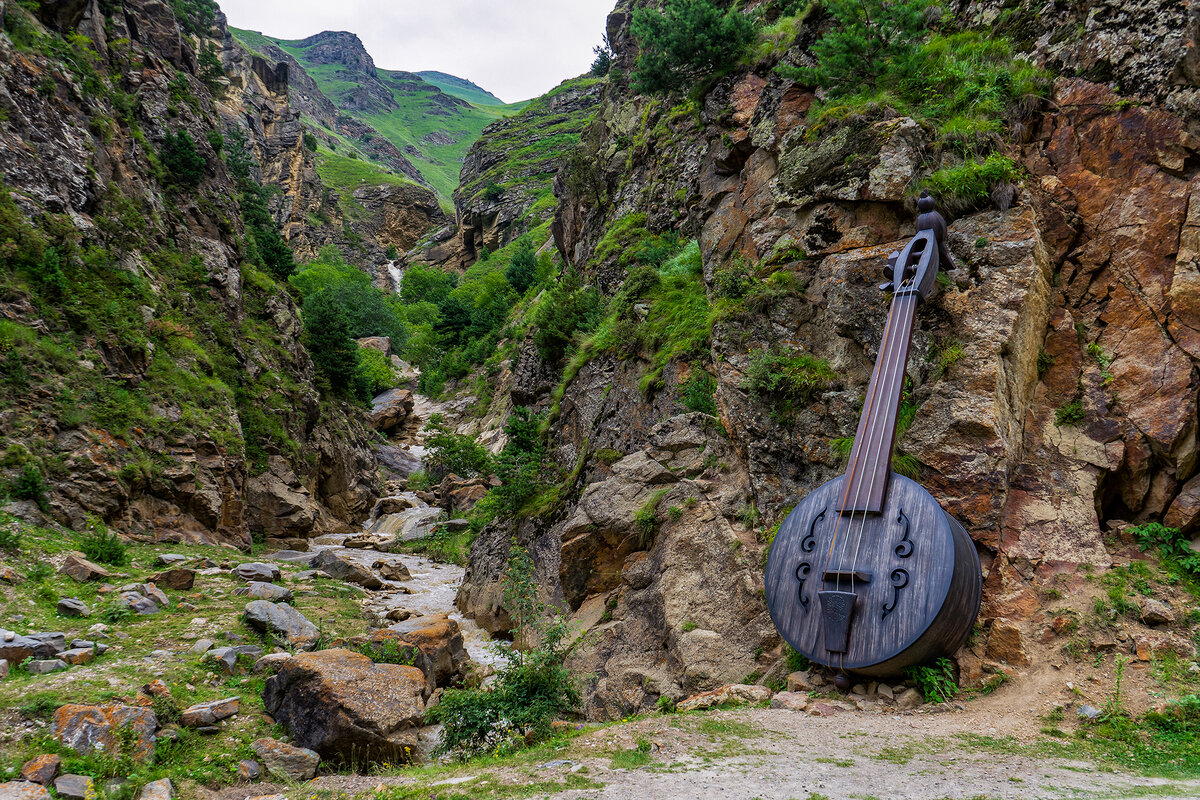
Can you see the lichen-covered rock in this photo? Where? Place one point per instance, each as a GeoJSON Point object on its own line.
{"type": "Point", "coordinates": [440, 639]}
{"type": "Point", "coordinates": [41, 769]}
{"type": "Point", "coordinates": [84, 728]}
{"type": "Point", "coordinates": [734, 693]}
{"type": "Point", "coordinates": [341, 705]}
{"type": "Point", "coordinates": [209, 713]}
{"type": "Point", "coordinates": [286, 761]}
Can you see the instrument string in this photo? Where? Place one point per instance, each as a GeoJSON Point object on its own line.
{"type": "Point", "coordinates": [895, 373]}
{"type": "Point", "coordinates": [865, 452]}
{"type": "Point", "coordinates": [892, 334]}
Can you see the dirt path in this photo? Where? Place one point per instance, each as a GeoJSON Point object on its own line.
{"type": "Point", "coordinates": [770, 754]}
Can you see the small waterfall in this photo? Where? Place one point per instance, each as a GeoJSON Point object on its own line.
{"type": "Point", "coordinates": [396, 272]}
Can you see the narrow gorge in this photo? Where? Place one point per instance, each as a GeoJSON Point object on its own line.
{"type": "Point", "coordinates": [364, 434]}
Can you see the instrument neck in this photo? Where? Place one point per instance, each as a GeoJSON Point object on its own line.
{"type": "Point", "coordinates": [870, 466]}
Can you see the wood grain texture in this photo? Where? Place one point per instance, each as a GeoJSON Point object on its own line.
{"type": "Point", "coordinates": [921, 594]}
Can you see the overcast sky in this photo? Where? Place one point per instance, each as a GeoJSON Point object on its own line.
{"type": "Point", "coordinates": [515, 49]}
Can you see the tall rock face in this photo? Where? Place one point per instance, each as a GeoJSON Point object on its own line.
{"type": "Point", "coordinates": [275, 102]}
{"type": "Point", "coordinates": [1054, 377]}
{"type": "Point", "coordinates": [155, 378]}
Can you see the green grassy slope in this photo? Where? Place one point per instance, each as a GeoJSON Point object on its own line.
{"type": "Point", "coordinates": [461, 88]}
{"type": "Point", "coordinates": [432, 127]}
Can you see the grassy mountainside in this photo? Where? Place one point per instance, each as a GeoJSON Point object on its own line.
{"type": "Point", "coordinates": [433, 122]}
{"type": "Point", "coordinates": [461, 88]}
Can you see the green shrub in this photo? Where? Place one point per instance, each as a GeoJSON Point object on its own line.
{"type": "Point", "coordinates": [645, 520]}
{"type": "Point", "coordinates": [310, 141]}
{"type": "Point", "coordinates": [791, 380]}
{"type": "Point", "coordinates": [685, 40]}
{"type": "Point", "coordinates": [567, 309]}
{"type": "Point", "coordinates": [1071, 413]}
{"type": "Point", "coordinates": [327, 336]}
{"type": "Point", "coordinates": [98, 543]}
{"type": "Point", "coordinates": [491, 193]}
{"type": "Point", "coordinates": [183, 163]}
{"type": "Point", "coordinates": [451, 452]}
{"type": "Point", "coordinates": [867, 40]}
{"type": "Point", "coordinates": [698, 391]}
{"type": "Point", "coordinates": [30, 485]}
{"type": "Point", "coordinates": [375, 371]}
{"type": "Point", "coordinates": [523, 267]}
{"type": "Point", "coordinates": [1172, 545]}
{"type": "Point", "coordinates": [532, 686]}
{"type": "Point", "coordinates": [936, 681]}
{"type": "Point", "coordinates": [602, 63]}
{"type": "Point", "coordinates": [10, 535]}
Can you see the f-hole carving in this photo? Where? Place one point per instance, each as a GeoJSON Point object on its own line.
{"type": "Point", "coordinates": [899, 578]}
{"type": "Point", "coordinates": [810, 539]}
{"type": "Point", "coordinates": [802, 572]}
{"type": "Point", "coordinates": [904, 548]}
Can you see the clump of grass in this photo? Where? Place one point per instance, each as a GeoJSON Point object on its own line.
{"type": "Point", "coordinates": [789, 380]}
{"type": "Point", "coordinates": [1071, 413]}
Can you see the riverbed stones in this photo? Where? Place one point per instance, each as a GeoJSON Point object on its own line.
{"type": "Point", "coordinates": [84, 728]}
{"type": "Point", "coordinates": [346, 569]}
{"type": "Point", "coordinates": [41, 769]}
{"type": "Point", "coordinates": [283, 622]}
{"type": "Point", "coordinates": [137, 603]}
{"type": "Point", "coordinates": [390, 409]}
{"type": "Point", "coordinates": [265, 591]}
{"type": "Point", "coordinates": [73, 607]}
{"type": "Point", "coordinates": [80, 569]}
{"type": "Point", "coordinates": [392, 570]}
{"type": "Point", "coordinates": [257, 571]}
{"type": "Point", "coordinates": [286, 761]}
{"type": "Point", "coordinates": [792, 701]}
{"type": "Point", "coordinates": [909, 698]}
{"type": "Point", "coordinates": [78, 656]}
{"type": "Point", "coordinates": [343, 706]}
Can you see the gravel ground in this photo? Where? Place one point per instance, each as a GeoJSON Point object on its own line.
{"type": "Point", "coordinates": [770, 754]}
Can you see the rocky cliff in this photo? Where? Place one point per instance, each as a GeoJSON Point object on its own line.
{"type": "Point", "coordinates": [1052, 384]}
{"type": "Point", "coordinates": [155, 377]}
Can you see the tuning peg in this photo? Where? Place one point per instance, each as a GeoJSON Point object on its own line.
{"type": "Point", "coordinates": [887, 287]}
{"type": "Point", "coordinates": [889, 271]}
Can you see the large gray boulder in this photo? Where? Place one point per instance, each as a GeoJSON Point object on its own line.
{"type": "Point", "coordinates": [283, 622]}
{"type": "Point", "coordinates": [343, 706]}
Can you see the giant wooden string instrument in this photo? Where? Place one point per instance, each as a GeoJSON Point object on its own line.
{"type": "Point", "coordinates": [868, 573]}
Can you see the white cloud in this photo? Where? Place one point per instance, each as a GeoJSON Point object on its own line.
{"type": "Point", "coordinates": [516, 49]}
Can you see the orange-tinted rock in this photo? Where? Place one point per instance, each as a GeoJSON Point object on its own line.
{"type": "Point", "coordinates": [440, 639]}
{"type": "Point", "coordinates": [744, 98]}
{"type": "Point", "coordinates": [1005, 644]}
{"type": "Point", "coordinates": [80, 569]}
{"type": "Point", "coordinates": [23, 790]}
{"type": "Point", "coordinates": [41, 769]}
{"type": "Point", "coordinates": [341, 705]}
{"type": "Point", "coordinates": [83, 728]}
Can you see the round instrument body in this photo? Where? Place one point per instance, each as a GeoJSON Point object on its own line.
{"type": "Point", "coordinates": [910, 576]}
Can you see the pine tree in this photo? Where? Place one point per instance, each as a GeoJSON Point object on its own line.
{"type": "Point", "coordinates": [868, 40]}
{"type": "Point", "coordinates": [522, 269]}
{"type": "Point", "coordinates": [686, 40]}
{"type": "Point", "coordinates": [327, 335]}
